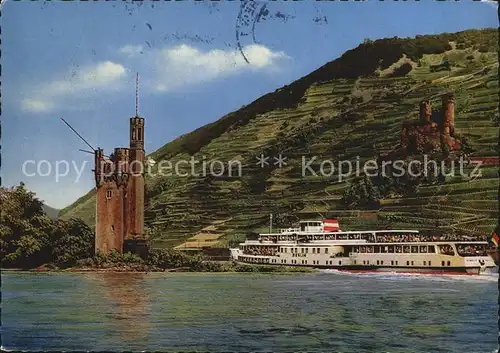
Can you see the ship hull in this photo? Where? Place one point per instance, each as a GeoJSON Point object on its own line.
{"type": "Point", "coordinates": [418, 270]}
{"type": "Point", "coordinates": [400, 269]}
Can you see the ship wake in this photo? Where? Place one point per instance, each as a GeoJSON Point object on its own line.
{"type": "Point", "coordinates": [489, 276]}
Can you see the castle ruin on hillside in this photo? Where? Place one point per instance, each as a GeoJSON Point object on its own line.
{"type": "Point", "coordinates": [430, 133]}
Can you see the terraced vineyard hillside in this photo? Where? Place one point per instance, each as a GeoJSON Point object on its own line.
{"type": "Point", "coordinates": [350, 108]}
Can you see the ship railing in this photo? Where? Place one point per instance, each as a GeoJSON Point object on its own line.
{"type": "Point", "coordinates": [289, 230]}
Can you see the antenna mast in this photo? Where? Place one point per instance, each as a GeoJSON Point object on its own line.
{"type": "Point", "coordinates": [137, 94]}
{"type": "Point", "coordinates": [80, 136]}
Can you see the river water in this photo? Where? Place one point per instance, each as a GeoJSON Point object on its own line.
{"type": "Point", "coordinates": [216, 312]}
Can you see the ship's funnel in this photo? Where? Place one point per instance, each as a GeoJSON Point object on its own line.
{"type": "Point", "coordinates": [331, 225]}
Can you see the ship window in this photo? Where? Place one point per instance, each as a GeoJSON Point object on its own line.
{"type": "Point", "coordinates": [429, 263]}
{"type": "Point", "coordinates": [355, 262]}
{"type": "Point", "coordinates": [367, 262]}
{"type": "Point", "coordinates": [431, 249]}
{"type": "Point", "coordinates": [414, 249]}
{"type": "Point", "coordinates": [396, 263]}
{"type": "Point", "coordinates": [425, 263]}
{"type": "Point", "coordinates": [377, 249]}
{"type": "Point", "coordinates": [317, 250]}
{"type": "Point", "coordinates": [398, 248]}
{"type": "Point", "coordinates": [326, 250]}
{"type": "Point", "coordinates": [392, 262]}
{"type": "Point", "coordinates": [412, 263]}
{"type": "Point", "coordinates": [307, 250]}
{"type": "Point", "coordinates": [314, 250]}
{"type": "Point", "coordinates": [340, 263]}
{"type": "Point", "coordinates": [407, 263]}
{"type": "Point", "coordinates": [381, 262]}
{"type": "Point", "coordinates": [377, 262]}
{"type": "Point", "coordinates": [442, 263]}
{"type": "Point", "coordinates": [448, 263]}
{"type": "Point", "coordinates": [423, 249]}
{"type": "Point", "coordinates": [406, 249]}
{"type": "Point", "coordinates": [391, 248]}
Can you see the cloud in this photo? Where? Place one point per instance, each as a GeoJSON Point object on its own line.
{"type": "Point", "coordinates": [493, 3]}
{"type": "Point", "coordinates": [131, 50]}
{"type": "Point", "coordinates": [36, 106]}
{"type": "Point", "coordinates": [103, 76]}
{"type": "Point", "coordinates": [184, 65]}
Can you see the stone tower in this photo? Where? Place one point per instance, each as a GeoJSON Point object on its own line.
{"type": "Point", "coordinates": [134, 238]}
{"type": "Point", "coordinates": [111, 187]}
{"type": "Point", "coordinates": [120, 195]}
{"type": "Point", "coordinates": [448, 124]}
{"type": "Point", "coordinates": [425, 111]}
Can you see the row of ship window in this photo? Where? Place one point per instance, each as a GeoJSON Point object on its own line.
{"type": "Point", "coordinates": [423, 249]}
{"type": "Point", "coordinates": [408, 263]}
{"type": "Point", "coordinates": [303, 250]}
{"type": "Point", "coordinates": [303, 262]}
{"type": "Point", "coordinates": [330, 262]}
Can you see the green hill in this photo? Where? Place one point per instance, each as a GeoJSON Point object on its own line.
{"type": "Point", "coordinates": [52, 212]}
{"type": "Point", "coordinates": [352, 106]}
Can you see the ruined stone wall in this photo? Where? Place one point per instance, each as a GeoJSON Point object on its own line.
{"type": "Point", "coordinates": [424, 131]}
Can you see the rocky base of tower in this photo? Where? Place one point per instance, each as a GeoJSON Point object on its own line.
{"type": "Point", "coordinates": [139, 247]}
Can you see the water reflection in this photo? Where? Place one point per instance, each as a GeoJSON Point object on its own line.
{"type": "Point", "coordinates": [127, 296]}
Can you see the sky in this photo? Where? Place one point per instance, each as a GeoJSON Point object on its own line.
{"type": "Point", "coordinates": [78, 61]}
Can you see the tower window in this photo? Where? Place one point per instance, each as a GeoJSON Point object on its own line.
{"type": "Point", "coordinates": [109, 193]}
{"type": "Point", "coordinates": [139, 134]}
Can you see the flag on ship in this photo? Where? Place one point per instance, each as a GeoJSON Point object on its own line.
{"type": "Point", "coordinates": [331, 225]}
{"type": "Point", "coordinates": [494, 238]}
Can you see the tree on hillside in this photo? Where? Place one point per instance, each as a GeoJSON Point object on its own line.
{"type": "Point", "coordinates": [24, 228]}
{"type": "Point", "coordinates": [362, 194]}
{"type": "Point", "coordinates": [71, 240]}
{"type": "Point", "coordinates": [29, 238]}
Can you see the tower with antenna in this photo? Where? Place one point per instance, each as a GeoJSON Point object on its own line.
{"type": "Point", "coordinates": [119, 180]}
{"type": "Point", "coordinates": [134, 238]}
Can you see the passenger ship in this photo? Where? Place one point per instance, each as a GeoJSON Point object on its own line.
{"type": "Point", "coordinates": [321, 244]}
